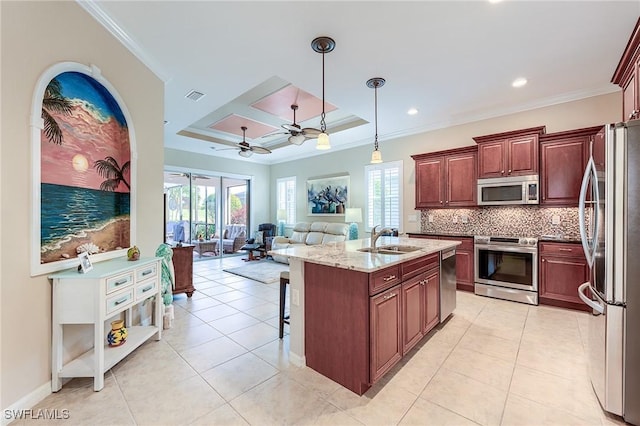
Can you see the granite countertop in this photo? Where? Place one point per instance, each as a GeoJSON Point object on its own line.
{"type": "Point", "coordinates": [345, 254]}
{"type": "Point", "coordinates": [443, 234]}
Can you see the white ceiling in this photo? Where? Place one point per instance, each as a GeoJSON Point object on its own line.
{"type": "Point", "coordinates": [452, 60]}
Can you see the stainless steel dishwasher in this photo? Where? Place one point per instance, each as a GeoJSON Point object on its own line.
{"type": "Point", "coordinates": [447, 284]}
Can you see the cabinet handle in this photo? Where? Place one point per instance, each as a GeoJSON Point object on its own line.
{"type": "Point", "coordinates": [564, 249]}
{"type": "Point", "coordinates": [147, 272]}
{"type": "Point", "coordinates": [389, 278]}
{"type": "Point", "coordinates": [118, 302]}
{"type": "Point", "coordinates": [389, 296]}
{"type": "Point", "coordinates": [543, 260]}
{"type": "Point", "coordinates": [146, 289]}
{"type": "Point", "coordinates": [509, 171]}
{"type": "Point", "coordinates": [440, 201]}
{"type": "Point", "coordinates": [633, 114]}
{"type": "Point", "coordinates": [501, 172]}
{"type": "Point", "coordinates": [117, 283]}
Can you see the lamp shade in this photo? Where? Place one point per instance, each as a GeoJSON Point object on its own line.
{"type": "Point", "coordinates": [323, 141]}
{"type": "Point", "coordinates": [282, 214]}
{"type": "Point", "coordinates": [376, 157]}
{"type": "Point", "coordinates": [353, 214]}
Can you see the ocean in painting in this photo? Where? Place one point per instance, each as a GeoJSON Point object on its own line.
{"type": "Point", "coordinates": [68, 211]}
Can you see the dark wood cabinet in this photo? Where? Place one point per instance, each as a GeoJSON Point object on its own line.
{"type": "Point", "coordinates": [508, 154]}
{"type": "Point", "coordinates": [359, 325]}
{"type": "Point", "coordinates": [562, 269]}
{"type": "Point", "coordinates": [386, 331]}
{"type": "Point", "coordinates": [563, 158]}
{"type": "Point", "coordinates": [627, 76]}
{"type": "Point", "coordinates": [446, 178]}
{"type": "Point", "coordinates": [464, 262]}
{"type": "Point", "coordinates": [183, 269]}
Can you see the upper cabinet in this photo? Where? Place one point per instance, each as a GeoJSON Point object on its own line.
{"type": "Point", "coordinates": [563, 159]}
{"type": "Point", "coordinates": [627, 76]}
{"type": "Point", "coordinates": [509, 154]}
{"type": "Point", "coordinates": [446, 178]}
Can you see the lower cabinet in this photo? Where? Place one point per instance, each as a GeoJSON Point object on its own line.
{"type": "Point", "coordinates": [386, 332]}
{"type": "Point", "coordinates": [359, 325]}
{"type": "Point", "coordinates": [465, 256]}
{"type": "Point", "coordinates": [562, 269]}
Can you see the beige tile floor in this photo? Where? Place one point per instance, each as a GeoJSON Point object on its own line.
{"type": "Point", "coordinates": [493, 363]}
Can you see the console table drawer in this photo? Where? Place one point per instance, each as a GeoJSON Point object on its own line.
{"type": "Point", "coordinates": [118, 301]}
{"type": "Point", "coordinates": [119, 282]}
{"type": "Point", "coordinates": [146, 289]}
{"type": "Point", "coordinates": [146, 272]}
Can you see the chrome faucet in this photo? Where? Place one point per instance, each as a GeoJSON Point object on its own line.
{"type": "Point", "coordinates": [375, 235]}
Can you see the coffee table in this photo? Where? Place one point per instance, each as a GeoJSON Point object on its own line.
{"type": "Point", "coordinates": [210, 246]}
{"type": "Point", "coordinates": [251, 248]}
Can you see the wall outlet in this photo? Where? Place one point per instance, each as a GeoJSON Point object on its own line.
{"type": "Point", "coordinates": [412, 218]}
{"type": "Point", "coordinates": [295, 297]}
{"type": "Point", "coordinates": [430, 218]}
{"type": "Point", "coordinates": [455, 219]}
{"type": "Point", "coordinates": [464, 218]}
{"type": "Point", "coordinates": [555, 219]}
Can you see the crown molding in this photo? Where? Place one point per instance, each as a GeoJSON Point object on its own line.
{"type": "Point", "coordinates": [121, 35]}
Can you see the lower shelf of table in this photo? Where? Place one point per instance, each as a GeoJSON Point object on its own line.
{"type": "Point", "coordinates": [83, 366]}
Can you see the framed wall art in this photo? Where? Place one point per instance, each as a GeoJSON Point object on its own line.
{"type": "Point", "coordinates": [82, 169]}
{"type": "Point", "coordinates": [328, 196]}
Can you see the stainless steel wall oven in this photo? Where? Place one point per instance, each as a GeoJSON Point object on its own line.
{"type": "Point", "coordinates": [507, 268]}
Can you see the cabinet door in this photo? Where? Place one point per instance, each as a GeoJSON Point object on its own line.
{"type": "Point", "coordinates": [560, 278]}
{"type": "Point", "coordinates": [522, 156]}
{"type": "Point", "coordinates": [491, 157]}
{"type": "Point", "coordinates": [562, 166]}
{"type": "Point", "coordinates": [464, 263]}
{"type": "Point", "coordinates": [429, 182]}
{"type": "Point", "coordinates": [183, 269]}
{"type": "Point", "coordinates": [461, 181]}
{"type": "Point", "coordinates": [386, 332]}
{"type": "Point", "coordinates": [432, 300]}
{"type": "Point", "coordinates": [412, 312]}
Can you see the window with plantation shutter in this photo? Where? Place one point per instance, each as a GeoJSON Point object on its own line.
{"type": "Point", "coordinates": [383, 183]}
{"type": "Point", "coordinates": [287, 198]}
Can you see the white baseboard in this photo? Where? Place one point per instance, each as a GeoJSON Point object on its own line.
{"type": "Point", "coordinates": [297, 360]}
{"type": "Point", "coordinates": [28, 401]}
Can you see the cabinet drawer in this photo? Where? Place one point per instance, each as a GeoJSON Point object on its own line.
{"type": "Point", "coordinates": [146, 289]}
{"type": "Point", "coordinates": [383, 279]}
{"type": "Point", "coordinates": [119, 282]}
{"type": "Point", "coordinates": [563, 249]}
{"type": "Point", "coordinates": [414, 267]}
{"type": "Point", "coordinates": [467, 243]}
{"type": "Point", "coordinates": [120, 300]}
{"type": "Point", "coordinates": [146, 272]}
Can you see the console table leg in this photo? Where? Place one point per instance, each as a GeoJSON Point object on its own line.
{"type": "Point", "coordinates": [98, 347]}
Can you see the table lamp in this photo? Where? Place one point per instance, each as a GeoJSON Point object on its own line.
{"type": "Point", "coordinates": [281, 216]}
{"type": "Point", "coordinates": [353, 216]}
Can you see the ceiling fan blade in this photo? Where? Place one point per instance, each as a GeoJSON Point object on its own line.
{"type": "Point", "coordinates": [260, 150]}
{"type": "Point", "coordinates": [291, 127]}
{"type": "Point", "coordinates": [311, 132]}
{"type": "Point", "coordinates": [297, 139]}
{"type": "Point", "coordinates": [275, 134]}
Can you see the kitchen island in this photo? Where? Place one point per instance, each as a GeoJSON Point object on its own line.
{"type": "Point", "coordinates": [354, 314]}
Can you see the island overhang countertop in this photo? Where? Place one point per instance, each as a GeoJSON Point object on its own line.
{"type": "Point", "coordinates": [346, 254]}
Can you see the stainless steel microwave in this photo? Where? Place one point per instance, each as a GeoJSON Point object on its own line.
{"type": "Point", "coordinates": [508, 191]}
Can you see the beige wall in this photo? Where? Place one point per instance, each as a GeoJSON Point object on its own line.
{"type": "Point", "coordinates": [36, 35]}
{"type": "Point", "coordinates": [572, 115]}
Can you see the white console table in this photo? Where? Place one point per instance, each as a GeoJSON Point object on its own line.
{"type": "Point", "coordinates": [110, 288]}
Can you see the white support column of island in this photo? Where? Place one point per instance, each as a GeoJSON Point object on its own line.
{"type": "Point", "coordinates": [296, 312]}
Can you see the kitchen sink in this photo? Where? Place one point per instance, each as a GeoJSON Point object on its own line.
{"type": "Point", "coordinates": [390, 249]}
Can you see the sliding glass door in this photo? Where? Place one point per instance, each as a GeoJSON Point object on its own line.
{"type": "Point", "coordinates": [211, 212]}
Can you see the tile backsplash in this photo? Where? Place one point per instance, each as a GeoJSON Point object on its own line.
{"type": "Point", "coordinates": [520, 221]}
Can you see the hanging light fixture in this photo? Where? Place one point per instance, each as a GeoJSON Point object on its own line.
{"type": "Point", "coordinates": [323, 45]}
{"type": "Point", "coordinates": [374, 83]}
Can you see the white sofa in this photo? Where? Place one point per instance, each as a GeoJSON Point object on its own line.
{"type": "Point", "coordinates": [311, 234]}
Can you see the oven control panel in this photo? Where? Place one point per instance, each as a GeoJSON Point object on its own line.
{"type": "Point", "coordinates": [516, 241]}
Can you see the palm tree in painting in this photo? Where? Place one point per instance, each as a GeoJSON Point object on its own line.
{"type": "Point", "coordinates": [54, 101]}
{"type": "Point", "coordinates": [112, 172]}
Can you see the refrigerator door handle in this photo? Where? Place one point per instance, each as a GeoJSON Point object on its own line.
{"type": "Point", "coordinates": [589, 175]}
{"type": "Point", "coordinates": [597, 307]}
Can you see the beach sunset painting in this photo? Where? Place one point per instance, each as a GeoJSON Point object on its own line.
{"type": "Point", "coordinates": [85, 175]}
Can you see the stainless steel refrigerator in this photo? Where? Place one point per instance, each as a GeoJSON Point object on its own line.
{"type": "Point", "coordinates": [610, 230]}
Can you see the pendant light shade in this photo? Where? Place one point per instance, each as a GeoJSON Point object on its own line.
{"type": "Point", "coordinates": [374, 83]}
{"type": "Point", "coordinates": [323, 45]}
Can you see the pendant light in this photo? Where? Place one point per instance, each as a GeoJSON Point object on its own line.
{"type": "Point", "coordinates": [323, 45]}
{"type": "Point", "coordinates": [374, 83]}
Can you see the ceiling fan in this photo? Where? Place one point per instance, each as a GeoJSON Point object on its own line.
{"type": "Point", "coordinates": [247, 150]}
{"type": "Point", "coordinates": [297, 134]}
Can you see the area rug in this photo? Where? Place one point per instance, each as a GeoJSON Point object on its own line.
{"type": "Point", "coordinates": [266, 271]}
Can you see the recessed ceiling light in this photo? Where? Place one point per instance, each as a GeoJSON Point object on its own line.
{"type": "Point", "coordinates": [412, 111]}
{"type": "Point", "coordinates": [494, 1]}
{"type": "Point", "coordinates": [519, 82]}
